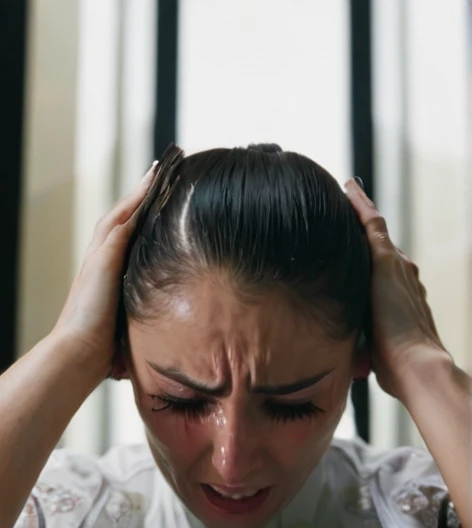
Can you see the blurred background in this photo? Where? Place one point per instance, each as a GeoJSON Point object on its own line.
{"type": "Point", "coordinates": [93, 91]}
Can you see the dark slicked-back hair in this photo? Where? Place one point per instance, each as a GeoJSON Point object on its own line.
{"type": "Point", "coordinates": [268, 220]}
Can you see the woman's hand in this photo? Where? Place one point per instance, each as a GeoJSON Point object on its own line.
{"type": "Point", "coordinates": [89, 315]}
{"type": "Point", "coordinates": [410, 361]}
{"type": "Point", "coordinates": [404, 335]}
{"type": "Point", "coordinates": [43, 390]}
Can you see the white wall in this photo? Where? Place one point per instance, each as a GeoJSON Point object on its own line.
{"type": "Point", "coordinates": [438, 141]}
{"type": "Point", "coordinates": [266, 71]}
{"type": "Point", "coordinates": [390, 162]}
{"type": "Point", "coordinates": [423, 178]}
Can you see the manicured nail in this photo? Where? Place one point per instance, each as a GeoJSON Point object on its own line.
{"type": "Point", "coordinates": [359, 182]}
{"type": "Point", "coordinates": [149, 174]}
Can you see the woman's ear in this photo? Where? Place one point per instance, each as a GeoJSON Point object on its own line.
{"type": "Point", "coordinates": [362, 365]}
{"type": "Point", "coordinates": [121, 360]}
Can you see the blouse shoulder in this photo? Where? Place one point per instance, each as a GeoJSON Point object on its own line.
{"type": "Point", "coordinates": [76, 490]}
{"type": "Point", "coordinates": [404, 483]}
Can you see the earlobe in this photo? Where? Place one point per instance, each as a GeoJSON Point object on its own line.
{"type": "Point", "coordinates": [362, 366]}
{"type": "Point", "coordinates": [120, 369]}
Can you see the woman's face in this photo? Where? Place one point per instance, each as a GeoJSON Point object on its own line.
{"type": "Point", "coordinates": [240, 399]}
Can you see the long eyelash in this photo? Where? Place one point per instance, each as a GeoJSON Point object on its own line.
{"type": "Point", "coordinates": [279, 412]}
{"type": "Point", "coordinates": [191, 409]}
{"type": "Point", "coordinates": [285, 412]}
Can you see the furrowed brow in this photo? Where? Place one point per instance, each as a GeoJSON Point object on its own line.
{"type": "Point", "coordinates": [177, 375]}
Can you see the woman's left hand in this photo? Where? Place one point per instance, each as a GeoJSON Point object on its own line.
{"type": "Point", "coordinates": [404, 335]}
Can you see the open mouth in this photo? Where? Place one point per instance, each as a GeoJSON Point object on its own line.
{"type": "Point", "coordinates": [235, 503]}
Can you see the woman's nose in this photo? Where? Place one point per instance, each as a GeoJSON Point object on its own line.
{"type": "Point", "coordinates": [237, 449]}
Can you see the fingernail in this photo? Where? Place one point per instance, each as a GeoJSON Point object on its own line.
{"type": "Point", "coordinates": [359, 182]}
{"type": "Point", "coordinates": [149, 174]}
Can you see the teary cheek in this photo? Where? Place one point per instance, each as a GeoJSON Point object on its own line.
{"type": "Point", "coordinates": [175, 437]}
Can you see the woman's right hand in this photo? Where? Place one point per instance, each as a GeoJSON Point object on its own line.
{"type": "Point", "coordinates": [89, 315]}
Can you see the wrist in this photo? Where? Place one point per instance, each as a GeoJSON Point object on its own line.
{"type": "Point", "coordinates": [95, 365]}
{"type": "Point", "coordinates": [429, 367]}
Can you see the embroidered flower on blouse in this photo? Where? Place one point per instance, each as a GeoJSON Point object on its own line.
{"type": "Point", "coordinates": [358, 499]}
{"type": "Point", "coordinates": [124, 509]}
{"type": "Point", "coordinates": [422, 502]}
{"type": "Point", "coordinates": [56, 499]}
{"type": "Point", "coordinates": [119, 508]}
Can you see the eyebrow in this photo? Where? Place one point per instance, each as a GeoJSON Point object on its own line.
{"type": "Point", "coordinates": [177, 375]}
{"type": "Point", "coordinates": [283, 390]}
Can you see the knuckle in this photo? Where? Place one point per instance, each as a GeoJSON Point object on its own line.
{"type": "Point", "coordinates": [387, 256]}
{"type": "Point", "coordinates": [410, 264]}
{"type": "Point", "coordinates": [377, 224]}
{"type": "Point", "coordinates": [118, 236]}
{"type": "Point", "coordinates": [370, 204]}
{"type": "Point", "coordinates": [120, 230]}
{"type": "Point", "coordinates": [379, 239]}
{"type": "Point", "coordinates": [123, 215]}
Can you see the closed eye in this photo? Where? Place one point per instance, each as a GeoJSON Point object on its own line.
{"type": "Point", "coordinates": [190, 408]}
{"type": "Point", "coordinates": [196, 408]}
{"type": "Point", "coordinates": [289, 412]}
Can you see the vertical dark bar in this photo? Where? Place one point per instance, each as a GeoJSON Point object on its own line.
{"type": "Point", "coordinates": [362, 146]}
{"type": "Point", "coordinates": [361, 92]}
{"type": "Point", "coordinates": [166, 85]}
{"type": "Point", "coordinates": [13, 36]}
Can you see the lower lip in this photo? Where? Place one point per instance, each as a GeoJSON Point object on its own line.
{"type": "Point", "coordinates": [238, 507]}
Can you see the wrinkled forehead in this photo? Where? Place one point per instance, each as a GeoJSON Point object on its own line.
{"type": "Point", "coordinates": [210, 333]}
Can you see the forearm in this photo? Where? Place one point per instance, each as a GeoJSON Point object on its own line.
{"type": "Point", "coordinates": [39, 395]}
{"type": "Point", "coordinates": [439, 399]}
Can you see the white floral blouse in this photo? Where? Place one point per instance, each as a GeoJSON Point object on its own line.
{"type": "Point", "coordinates": [355, 486]}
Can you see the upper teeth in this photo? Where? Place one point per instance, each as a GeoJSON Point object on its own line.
{"type": "Point", "coordinates": [236, 496]}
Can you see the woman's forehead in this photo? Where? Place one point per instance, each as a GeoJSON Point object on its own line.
{"type": "Point", "coordinates": [208, 329]}
{"type": "Point", "coordinates": [208, 312]}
